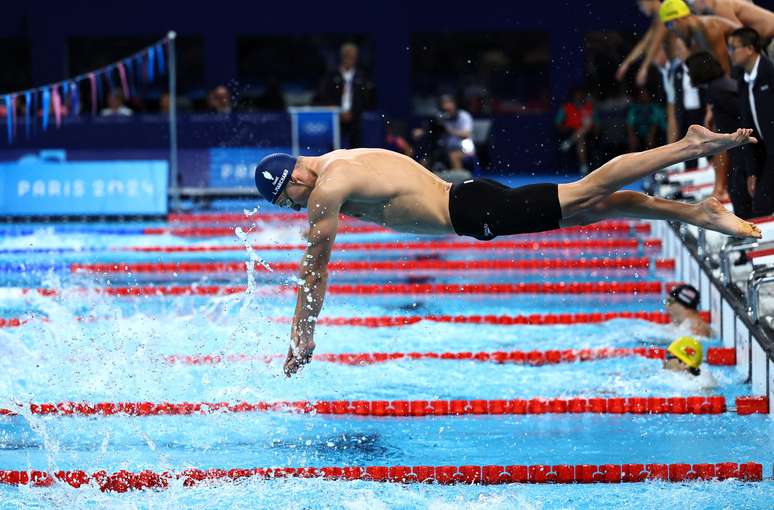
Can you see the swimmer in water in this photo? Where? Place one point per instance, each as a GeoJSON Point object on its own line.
{"type": "Point", "coordinates": [682, 305]}
{"type": "Point", "coordinates": [394, 191]}
{"type": "Point", "coordinates": [684, 356]}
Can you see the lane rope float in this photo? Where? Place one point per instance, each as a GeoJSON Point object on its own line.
{"type": "Point", "coordinates": [607, 287]}
{"type": "Point", "coordinates": [531, 246]}
{"type": "Point", "coordinates": [124, 481]}
{"type": "Point", "coordinates": [407, 320]}
{"type": "Point", "coordinates": [354, 266]}
{"type": "Point", "coordinates": [397, 408]}
{"type": "Point", "coordinates": [717, 356]}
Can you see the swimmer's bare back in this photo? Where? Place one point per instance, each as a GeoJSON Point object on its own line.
{"type": "Point", "coordinates": [389, 189]}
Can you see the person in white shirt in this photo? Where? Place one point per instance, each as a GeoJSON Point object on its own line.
{"type": "Point", "coordinates": [116, 106]}
{"type": "Point", "coordinates": [457, 141]}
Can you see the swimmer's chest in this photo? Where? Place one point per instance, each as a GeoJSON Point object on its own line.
{"type": "Point", "coordinates": [374, 212]}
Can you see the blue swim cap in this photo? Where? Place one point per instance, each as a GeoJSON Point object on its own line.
{"type": "Point", "coordinates": [273, 174]}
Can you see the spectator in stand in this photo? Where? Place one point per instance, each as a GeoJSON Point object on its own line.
{"type": "Point", "coordinates": [457, 140]}
{"type": "Point", "coordinates": [349, 89]}
{"type": "Point", "coordinates": [645, 122]}
{"type": "Point", "coordinates": [394, 139]}
{"type": "Point", "coordinates": [756, 90]}
{"type": "Point", "coordinates": [723, 113]}
{"type": "Point", "coordinates": [219, 100]}
{"type": "Point", "coordinates": [272, 98]}
{"type": "Point", "coordinates": [575, 121]}
{"type": "Point", "coordinates": [164, 103]}
{"type": "Point", "coordinates": [115, 105]}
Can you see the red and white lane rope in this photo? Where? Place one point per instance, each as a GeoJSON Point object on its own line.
{"type": "Point", "coordinates": [406, 320]}
{"type": "Point", "coordinates": [720, 356]}
{"type": "Point", "coordinates": [124, 481]}
{"type": "Point", "coordinates": [390, 265]}
{"type": "Point", "coordinates": [347, 228]}
{"type": "Point", "coordinates": [532, 246]}
{"type": "Point", "coordinates": [626, 288]}
{"type": "Point", "coordinates": [284, 218]}
{"type": "Point", "coordinates": [401, 408]}
{"type": "Point", "coordinates": [500, 320]}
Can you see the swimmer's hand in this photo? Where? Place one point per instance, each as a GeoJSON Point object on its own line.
{"type": "Point", "coordinates": [299, 354]}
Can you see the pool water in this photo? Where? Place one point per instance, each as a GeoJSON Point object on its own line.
{"type": "Point", "coordinates": [82, 345]}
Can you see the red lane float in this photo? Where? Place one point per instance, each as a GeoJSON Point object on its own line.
{"type": "Point", "coordinates": [580, 244]}
{"type": "Point", "coordinates": [229, 231]}
{"type": "Point", "coordinates": [396, 408]}
{"type": "Point", "coordinates": [124, 481]}
{"type": "Point", "coordinates": [385, 289]}
{"type": "Point", "coordinates": [390, 265]}
{"type": "Point", "coordinates": [752, 405]}
{"type": "Point", "coordinates": [715, 356]}
{"type": "Point", "coordinates": [604, 226]}
{"type": "Point", "coordinates": [500, 320]}
{"type": "Point", "coordinates": [13, 322]}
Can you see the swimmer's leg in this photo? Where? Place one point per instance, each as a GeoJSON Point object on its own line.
{"type": "Point", "coordinates": [580, 196]}
{"type": "Point", "coordinates": [590, 199]}
{"type": "Point", "coordinates": [709, 213]}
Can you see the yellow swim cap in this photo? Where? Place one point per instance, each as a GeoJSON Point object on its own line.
{"type": "Point", "coordinates": [671, 10]}
{"type": "Point", "coordinates": [688, 350]}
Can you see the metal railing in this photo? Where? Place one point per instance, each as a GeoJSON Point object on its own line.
{"type": "Point", "coordinates": [757, 279]}
{"type": "Point", "coordinates": [725, 259]}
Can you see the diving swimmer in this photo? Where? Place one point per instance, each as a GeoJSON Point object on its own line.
{"type": "Point", "coordinates": [394, 191]}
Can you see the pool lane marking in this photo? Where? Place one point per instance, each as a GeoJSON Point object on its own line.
{"type": "Point", "coordinates": [125, 481]}
{"type": "Point", "coordinates": [528, 246]}
{"type": "Point", "coordinates": [718, 356]}
{"type": "Point", "coordinates": [407, 320]}
{"type": "Point", "coordinates": [354, 266]}
{"type": "Point", "coordinates": [606, 287]}
{"type": "Point", "coordinates": [284, 218]}
{"type": "Point", "coordinates": [220, 230]}
{"type": "Point", "coordinates": [401, 408]}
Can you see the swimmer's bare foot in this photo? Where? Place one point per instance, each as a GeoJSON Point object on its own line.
{"type": "Point", "coordinates": [299, 354]}
{"type": "Point", "coordinates": [718, 218]}
{"type": "Point", "coordinates": [708, 143]}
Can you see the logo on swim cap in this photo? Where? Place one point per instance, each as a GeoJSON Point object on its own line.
{"type": "Point", "coordinates": [275, 170]}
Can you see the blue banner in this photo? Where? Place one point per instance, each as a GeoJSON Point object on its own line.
{"type": "Point", "coordinates": [9, 118]}
{"type": "Point", "coordinates": [235, 168]}
{"type": "Point", "coordinates": [160, 57]}
{"type": "Point", "coordinates": [315, 131]}
{"type": "Point", "coordinates": [46, 107]}
{"type": "Point", "coordinates": [35, 186]}
{"type": "Point", "coordinates": [151, 56]}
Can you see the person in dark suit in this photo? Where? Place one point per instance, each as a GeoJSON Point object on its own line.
{"type": "Point", "coordinates": [348, 88]}
{"type": "Point", "coordinates": [756, 98]}
{"type": "Point", "coordinates": [723, 113]}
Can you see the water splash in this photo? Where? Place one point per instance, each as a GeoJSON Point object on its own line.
{"type": "Point", "coordinates": [253, 258]}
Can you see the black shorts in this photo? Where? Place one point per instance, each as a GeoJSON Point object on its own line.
{"type": "Point", "coordinates": [485, 209]}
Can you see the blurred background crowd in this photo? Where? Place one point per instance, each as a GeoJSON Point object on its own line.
{"type": "Point", "coordinates": [702, 61]}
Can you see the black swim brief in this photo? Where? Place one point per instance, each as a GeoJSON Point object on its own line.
{"type": "Point", "coordinates": [485, 209]}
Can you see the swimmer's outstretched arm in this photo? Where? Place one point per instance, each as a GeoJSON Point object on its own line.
{"type": "Point", "coordinates": [324, 205]}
